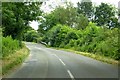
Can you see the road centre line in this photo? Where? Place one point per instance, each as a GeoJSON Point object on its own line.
{"type": "Point", "coordinates": [62, 62]}
{"type": "Point", "coordinates": [70, 74]}
{"type": "Point", "coordinates": [59, 59]}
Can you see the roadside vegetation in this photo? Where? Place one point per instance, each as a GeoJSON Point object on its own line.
{"type": "Point", "coordinates": [88, 29]}
{"type": "Point", "coordinates": [9, 46]}
{"type": "Point", "coordinates": [12, 54]}
{"type": "Point", "coordinates": [93, 39]}
{"type": "Point", "coordinates": [0, 51]}
{"type": "Point", "coordinates": [85, 29]}
{"type": "Point", "coordinates": [15, 22]}
{"type": "Point", "coordinates": [99, 57]}
{"type": "Point", "coordinates": [31, 36]}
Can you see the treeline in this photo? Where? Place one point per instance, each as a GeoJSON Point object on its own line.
{"type": "Point", "coordinates": [79, 17]}
{"type": "Point", "coordinates": [93, 39]}
{"type": "Point", "coordinates": [85, 28]}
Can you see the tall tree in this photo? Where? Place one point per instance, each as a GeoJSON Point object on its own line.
{"type": "Point", "coordinates": [103, 14]}
{"type": "Point", "coordinates": [16, 17]}
{"type": "Point", "coordinates": [60, 15]}
{"type": "Point", "coordinates": [85, 7]}
{"type": "Point", "coordinates": [81, 22]}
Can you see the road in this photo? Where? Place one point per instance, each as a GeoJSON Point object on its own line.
{"type": "Point", "coordinates": [51, 63]}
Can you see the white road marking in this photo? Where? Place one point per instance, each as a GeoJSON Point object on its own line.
{"type": "Point", "coordinates": [62, 62]}
{"type": "Point", "coordinates": [59, 59]}
{"type": "Point", "coordinates": [55, 56]}
{"type": "Point", "coordinates": [70, 74]}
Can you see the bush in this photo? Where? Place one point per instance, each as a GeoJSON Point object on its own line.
{"type": "Point", "coordinates": [9, 46]}
{"type": "Point", "coordinates": [31, 36]}
{"type": "Point", "coordinates": [39, 39]}
{"type": "Point", "coordinates": [0, 42]}
{"type": "Point", "coordinates": [94, 39]}
{"type": "Point", "coordinates": [71, 35]}
{"type": "Point", "coordinates": [62, 45]}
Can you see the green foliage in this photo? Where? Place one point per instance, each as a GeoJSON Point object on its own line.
{"type": "Point", "coordinates": [63, 15]}
{"type": "Point", "coordinates": [13, 60]}
{"type": "Point", "coordinates": [103, 14]}
{"type": "Point", "coordinates": [86, 8]}
{"type": "Point", "coordinates": [92, 39]}
{"type": "Point", "coordinates": [81, 22]}
{"type": "Point", "coordinates": [16, 17]}
{"type": "Point", "coordinates": [31, 36]}
{"type": "Point", "coordinates": [39, 39]}
{"type": "Point", "coordinates": [9, 46]}
{"type": "Point", "coordinates": [0, 43]}
{"type": "Point", "coordinates": [71, 35]}
{"type": "Point", "coordinates": [57, 34]}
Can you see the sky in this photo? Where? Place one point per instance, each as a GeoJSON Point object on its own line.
{"type": "Point", "coordinates": [53, 3]}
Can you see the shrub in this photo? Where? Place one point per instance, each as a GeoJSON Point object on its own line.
{"type": "Point", "coordinates": [94, 39]}
{"type": "Point", "coordinates": [31, 36]}
{"type": "Point", "coordinates": [62, 45]}
{"type": "Point", "coordinates": [9, 46]}
{"type": "Point", "coordinates": [0, 42]}
{"type": "Point", "coordinates": [71, 35]}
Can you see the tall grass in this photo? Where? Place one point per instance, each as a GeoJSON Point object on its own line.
{"type": "Point", "coordinates": [0, 51]}
{"type": "Point", "coordinates": [9, 62]}
{"type": "Point", "coordinates": [12, 53]}
{"type": "Point", "coordinates": [9, 46]}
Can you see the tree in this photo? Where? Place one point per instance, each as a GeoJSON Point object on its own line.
{"type": "Point", "coordinates": [16, 17]}
{"type": "Point", "coordinates": [113, 22]}
{"type": "Point", "coordinates": [60, 15]}
{"type": "Point", "coordinates": [31, 36]}
{"type": "Point", "coordinates": [81, 22]}
{"type": "Point", "coordinates": [103, 14]}
{"type": "Point", "coordinates": [86, 8]}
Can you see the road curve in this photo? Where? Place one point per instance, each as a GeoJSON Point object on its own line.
{"type": "Point", "coordinates": [50, 63]}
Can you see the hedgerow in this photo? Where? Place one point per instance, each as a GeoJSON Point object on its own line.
{"type": "Point", "coordinates": [93, 39]}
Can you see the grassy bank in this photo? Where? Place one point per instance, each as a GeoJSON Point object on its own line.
{"type": "Point", "coordinates": [94, 56]}
{"type": "Point", "coordinates": [13, 60]}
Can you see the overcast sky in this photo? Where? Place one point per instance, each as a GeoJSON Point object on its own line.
{"type": "Point", "coordinates": [53, 3]}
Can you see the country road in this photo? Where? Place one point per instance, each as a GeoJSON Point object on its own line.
{"type": "Point", "coordinates": [45, 62]}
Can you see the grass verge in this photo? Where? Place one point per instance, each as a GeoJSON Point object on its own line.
{"type": "Point", "coordinates": [94, 56]}
{"type": "Point", "coordinates": [13, 60]}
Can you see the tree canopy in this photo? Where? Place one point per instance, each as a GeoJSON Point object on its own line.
{"type": "Point", "coordinates": [103, 14]}
{"type": "Point", "coordinates": [16, 17]}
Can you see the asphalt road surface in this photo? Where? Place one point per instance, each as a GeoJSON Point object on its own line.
{"type": "Point", "coordinates": [50, 63]}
